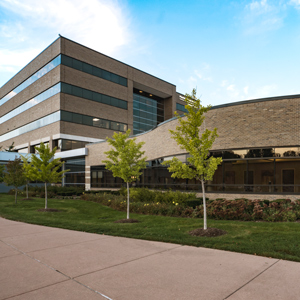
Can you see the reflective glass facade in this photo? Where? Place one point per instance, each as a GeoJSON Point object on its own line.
{"type": "Point", "coordinates": [181, 107]}
{"type": "Point", "coordinates": [148, 111]}
{"type": "Point", "coordinates": [32, 102]}
{"type": "Point", "coordinates": [31, 126]}
{"type": "Point", "coordinates": [249, 175]}
{"type": "Point", "coordinates": [47, 68]}
{"type": "Point", "coordinates": [76, 175]}
{"type": "Point", "coordinates": [94, 96]}
{"type": "Point", "coordinates": [93, 70]}
{"type": "Point", "coordinates": [92, 121]}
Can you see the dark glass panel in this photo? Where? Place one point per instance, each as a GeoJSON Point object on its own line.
{"type": "Point", "coordinates": [106, 99]}
{"type": "Point", "coordinates": [123, 81]}
{"type": "Point", "coordinates": [87, 120]}
{"type": "Point", "coordinates": [97, 97]}
{"type": "Point", "coordinates": [77, 118]}
{"type": "Point", "coordinates": [114, 101]}
{"type": "Point", "coordinates": [87, 94]}
{"type": "Point", "coordinates": [106, 75]}
{"type": "Point", "coordinates": [77, 91]}
{"type": "Point", "coordinates": [66, 88]}
{"type": "Point", "coordinates": [66, 116]}
{"type": "Point", "coordinates": [77, 64]}
{"type": "Point", "coordinates": [67, 61]}
{"type": "Point", "coordinates": [97, 72]}
{"type": "Point", "coordinates": [87, 68]}
{"type": "Point", "coordinates": [114, 78]}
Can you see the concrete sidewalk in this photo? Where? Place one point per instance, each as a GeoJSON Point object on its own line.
{"type": "Point", "coordinates": [38, 262]}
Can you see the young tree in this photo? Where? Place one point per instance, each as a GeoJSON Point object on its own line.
{"type": "Point", "coordinates": [187, 134]}
{"type": "Point", "coordinates": [45, 167]}
{"type": "Point", "coordinates": [125, 159]}
{"type": "Point", "coordinates": [14, 175]}
{"type": "Point", "coordinates": [28, 171]}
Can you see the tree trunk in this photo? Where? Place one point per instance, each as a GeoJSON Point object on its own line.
{"type": "Point", "coordinates": [127, 200]}
{"type": "Point", "coordinates": [16, 193]}
{"type": "Point", "coordinates": [46, 198]}
{"type": "Point", "coordinates": [204, 205]}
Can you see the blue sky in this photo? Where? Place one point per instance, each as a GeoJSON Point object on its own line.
{"type": "Point", "coordinates": [229, 50]}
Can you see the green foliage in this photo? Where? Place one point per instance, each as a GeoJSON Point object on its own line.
{"type": "Point", "coordinates": [45, 167]}
{"type": "Point", "coordinates": [14, 175]}
{"type": "Point", "coordinates": [187, 134]}
{"type": "Point", "coordinates": [125, 158]}
{"type": "Point", "coordinates": [146, 195]}
{"type": "Point", "coordinates": [189, 137]}
{"type": "Point", "coordinates": [278, 240]}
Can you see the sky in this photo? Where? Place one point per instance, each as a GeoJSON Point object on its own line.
{"type": "Point", "coordinates": [228, 50]}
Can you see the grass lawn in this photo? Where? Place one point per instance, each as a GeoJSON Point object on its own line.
{"type": "Point", "coordinates": [277, 240]}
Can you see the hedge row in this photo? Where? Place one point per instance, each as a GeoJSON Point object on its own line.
{"type": "Point", "coordinates": [241, 209]}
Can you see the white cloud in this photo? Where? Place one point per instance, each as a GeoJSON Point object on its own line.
{"type": "Point", "coordinates": [260, 16]}
{"type": "Point", "coordinates": [296, 3]}
{"type": "Point", "coordinates": [99, 24]}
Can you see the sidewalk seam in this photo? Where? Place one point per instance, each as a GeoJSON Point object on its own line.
{"type": "Point", "coordinates": [252, 279]}
{"type": "Point", "coordinates": [53, 269]}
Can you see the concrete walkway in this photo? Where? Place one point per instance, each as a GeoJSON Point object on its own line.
{"type": "Point", "coordinates": [38, 263]}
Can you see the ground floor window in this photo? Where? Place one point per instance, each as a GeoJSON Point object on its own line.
{"type": "Point", "coordinates": [274, 175]}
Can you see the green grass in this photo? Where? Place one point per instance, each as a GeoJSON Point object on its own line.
{"type": "Point", "coordinates": [277, 240]}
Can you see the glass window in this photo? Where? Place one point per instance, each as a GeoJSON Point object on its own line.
{"type": "Point", "coordinates": [87, 68]}
{"type": "Point", "coordinates": [115, 126]}
{"type": "Point", "coordinates": [47, 68]}
{"type": "Point", "coordinates": [87, 94]}
{"type": "Point", "coordinates": [31, 126]}
{"type": "Point", "coordinates": [77, 91]}
{"type": "Point", "coordinates": [287, 152]}
{"type": "Point", "coordinates": [106, 100]}
{"type": "Point", "coordinates": [66, 60]}
{"type": "Point", "coordinates": [97, 72]}
{"type": "Point", "coordinates": [32, 102]}
{"type": "Point", "coordinates": [114, 78]}
{"type": "Point", "coordinates": [77, 64]}
{"type": "Point", "coordinates": [97, 97]}
{"type": "Point", "coordinates": [123, 81]}
{"type": "Point", "coordinates": [106, 75]}
{"type": "Point", "coordinates": [66, 116]}
{"type": "Point", "coordinates": [77, 118]}
{"type": "Point", "coordinates": [105, 123]}
{"type": "Point", "coordinates": [66, 88]}
{"type": "Point", "coordinates": [87, 120]}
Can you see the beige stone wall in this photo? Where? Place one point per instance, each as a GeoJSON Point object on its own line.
{"type": "Point", "coordinates": [260, 124]}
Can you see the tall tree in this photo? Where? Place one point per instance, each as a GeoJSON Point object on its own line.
{"type": "Point", "coordinates": [125, 159]}
{"type": "Point", "coordinates": [188, 136]}
{"type": "Point", "coordinates": [14, 175]}
{"type": "Point", "coordinates": [45, 167]}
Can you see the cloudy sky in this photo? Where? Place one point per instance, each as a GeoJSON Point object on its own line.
{"type": "Point", "coordinates": [229, 50]}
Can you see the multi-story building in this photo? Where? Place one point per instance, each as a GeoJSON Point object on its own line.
{"type": "Point", "coordinates": [73, 98]}
{"type": "Point", "coordinates": [70, 95]}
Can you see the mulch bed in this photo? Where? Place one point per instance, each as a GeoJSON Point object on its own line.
{"type": "Point", "coordinates": [48, 210]}
{"type": "Point", "coordinates": [209, 232]}
{"type": "Point", "coordinates": [127, 221]}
